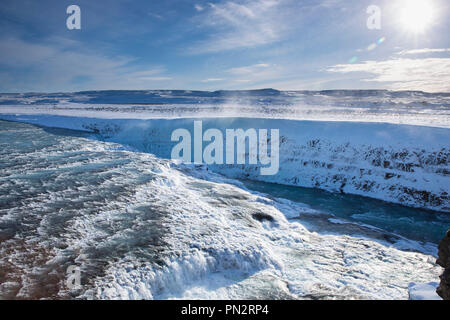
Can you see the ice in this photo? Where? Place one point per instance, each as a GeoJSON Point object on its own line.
{"type": "Point", "coordinates": [423, 291]}
{"type": "Point", "coordinates": [141, 226]}
{"type": "Point", "coordinates": [396, 163]}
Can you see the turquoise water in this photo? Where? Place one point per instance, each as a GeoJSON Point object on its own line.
{"type": "Point", "coordinates": [412, 223]}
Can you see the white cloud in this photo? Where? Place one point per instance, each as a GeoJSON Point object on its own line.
{"type": "Point", "coordinates": [241, 24]}
{"type": "Point", "coordinates": [198, 7]}
{"type": "Point", "coordinates": [431, 74]}
{"type": "Point", "coordinates": [258, 75]}
{"type": "Point", "coordinates": [248, 69]}
{"type": "Point", "coordinates": [155, 15]}
{"type": "Point", "coordinates": [155, 78]}
{"type": "Point", "coordinates": [61, 65]}
{"type": "Point", "coordinates": [242, 77]}
{"type": "Point", "coordinates": [213, 80]}
{"type": "Point", "coordinates": [15, 52]}
{"type": "Point", "coordinates": [423, 51]}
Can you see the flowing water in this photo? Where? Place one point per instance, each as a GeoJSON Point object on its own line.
{"type": "Point", "coordinates": [412, 223]}
{"type": "Point", "coordinates": [141, 227]}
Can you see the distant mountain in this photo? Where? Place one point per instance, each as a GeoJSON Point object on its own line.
{"type": "Point", "coordinates": [257, 97]}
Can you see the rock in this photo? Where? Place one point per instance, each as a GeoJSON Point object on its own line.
{"type": "Point", "coordinates": [444, 261]}
{"type": "Point", "coordinates": [262, 216]}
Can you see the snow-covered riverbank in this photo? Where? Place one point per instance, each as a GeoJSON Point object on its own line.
{"type": "Point", "coordinates": [397, 163]}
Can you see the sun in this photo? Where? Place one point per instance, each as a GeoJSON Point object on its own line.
{"type": "Point", "coordinates": [416, 15]}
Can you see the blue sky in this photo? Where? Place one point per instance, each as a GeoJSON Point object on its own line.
{"type": "Point", "coordinates": [211, 45]}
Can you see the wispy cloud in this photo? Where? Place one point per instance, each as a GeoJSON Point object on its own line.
{"type": "Point", "coordinates": [241, 24]}
{"type": "Point", "coordinates": [256, 75]}
{"type": "Point", "coordinates": [213, 80]}
{"type": "Point", "coordinates": [155, 78]}
{"type": "Point", "coordinates": [248, 69]}
{"type": "Point", "coordinates": [431, 74]}
{"type": "Point", "coordinates": [423, 51]}
{"type": "Point", "coordinates": [155, 15]}
{"type": "Point", "coordinates": [58, 64]}
{"type": "Point", "coordinates": [198, 7]}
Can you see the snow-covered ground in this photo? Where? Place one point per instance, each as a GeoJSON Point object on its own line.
{"type": "Point", "coordinates": [351, 143]}
{"type": "Point", "coordinates": [408, 107]}
{"type": "Point", "coordinates": [423, 291]}
{"type": "Point", "coordinates": [142, 227]}
{"type": "Point", "coordinates": [403, 164]}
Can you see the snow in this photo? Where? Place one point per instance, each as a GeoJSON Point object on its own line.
{"type": "Point", "coordinates": [423, 291]}
{"type": "Point", "coordinates": [392, 146]}
{"type": "Point", "coordinates": [142, 227]}
{"type": "Point", "coordinates": [408, 107]}
{"type": "Point", "coordinates": [403, 164]}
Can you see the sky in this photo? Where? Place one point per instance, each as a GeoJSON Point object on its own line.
{"type": "Point", "coordinates": [231, 44]}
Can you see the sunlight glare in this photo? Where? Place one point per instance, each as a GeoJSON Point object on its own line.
{"type": "Point", "coordinates": [416, 15]}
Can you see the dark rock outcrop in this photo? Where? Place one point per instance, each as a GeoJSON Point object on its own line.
{"type": "Point", "coordinates": [444, 261]}
{"type": "Point", "coordinates": [262, 216]}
